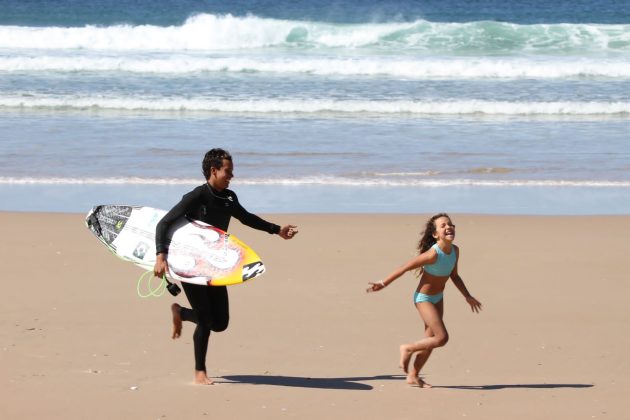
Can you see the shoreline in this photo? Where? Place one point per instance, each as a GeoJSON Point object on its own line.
{"type": "Point", "coordinates": [306, 341]}
{"type": "Point", "coordinates": [334, 199]}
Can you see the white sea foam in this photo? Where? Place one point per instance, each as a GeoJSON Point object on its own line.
{"type": "Point", "coordinates": [8, 180]}
{"type": "Point", "coordinates": [225, 32]}
{"type": "Point", "coordinates": [199, 33]}
{"type": "Point", "coordinates": [315, 106]}
{"type": "Point", "coordinates": [320, 181]}
{"type": "Point", "coordinates": [399, 67]}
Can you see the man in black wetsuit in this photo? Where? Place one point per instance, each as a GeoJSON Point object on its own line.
{"type": "Point", "coordinates": [213, 203]}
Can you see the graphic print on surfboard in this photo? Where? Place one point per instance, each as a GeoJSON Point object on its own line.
{"type": "Point", "coordinates": [198, 253]}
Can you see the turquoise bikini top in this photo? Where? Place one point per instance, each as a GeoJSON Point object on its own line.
{"type": "Point", "coordinates": [444, 264]}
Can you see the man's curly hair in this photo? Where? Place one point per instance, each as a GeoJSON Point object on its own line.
{"type": "Point", "coordinates": [214, 159]}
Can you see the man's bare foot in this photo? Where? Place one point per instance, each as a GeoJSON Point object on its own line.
{"type": "Point", "coordinates": [177, 320]}
{"type": "Point", "coordinates": [405, 357]}
{"type": "Point", "coordinates": [201, 378]}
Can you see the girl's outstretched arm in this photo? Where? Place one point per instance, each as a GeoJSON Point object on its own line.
{"type": "Point", "coordinates": [419, 261]}
{"type": "Point", "coordinates": [475, 305]}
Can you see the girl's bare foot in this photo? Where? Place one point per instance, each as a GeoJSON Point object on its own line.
{"type": "Point", "coordinates": [201, 378]}
{"type": "Point", "coordinates": [423, 384]}
{"type": "Point", "coordinates": [413, 376]}
{"type": "Point", "coordinates": [414, 379]}
{"type": "Point", "coordinates": [177, 320]}
{"type": "Point", "coordinates": [405, 357]}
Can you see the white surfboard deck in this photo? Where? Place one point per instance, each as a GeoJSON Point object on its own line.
{"type": "Point", "coordinates": [198, 253]}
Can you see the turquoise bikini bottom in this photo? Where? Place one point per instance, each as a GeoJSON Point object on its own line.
{"type": "Point", "coordinates": [421, 297]}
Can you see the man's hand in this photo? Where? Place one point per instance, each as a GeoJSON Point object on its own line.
{"type": "Point", "coordinates": [288, 231]}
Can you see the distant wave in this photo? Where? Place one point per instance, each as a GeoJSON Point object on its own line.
{"type": "Point", "coordinates": [206, 32]}
{"type": "Point", "coordinates": [405, 67]}
{"type": "Point", "coordinates": [320, 180]}
{"type": "Point", "coordinates": [7, 180]}
{"type": "Point", "coordinates": [316, 106]}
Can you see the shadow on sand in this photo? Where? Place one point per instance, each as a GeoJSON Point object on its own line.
{"type": "Point", "coordinates": [305, 382]}
{"type": "Point", "coordinates": [355, 383]}
{"type": "Point", "coordinates": [513, 386]}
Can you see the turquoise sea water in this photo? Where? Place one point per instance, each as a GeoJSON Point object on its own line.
{"type": "Point", "coordinates": [404, 106]}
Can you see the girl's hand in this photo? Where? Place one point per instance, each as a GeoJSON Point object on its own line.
{"type": "Point", "coordinates": [375, 287]}
{"type": "Point", "coordinates": [475, 305]}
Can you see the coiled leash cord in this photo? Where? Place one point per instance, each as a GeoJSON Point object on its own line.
{"type": "Point", "coordinates": [147, 280]}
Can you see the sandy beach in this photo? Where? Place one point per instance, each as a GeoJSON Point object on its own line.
{"type": "Point", "coordinates": [305, 340]}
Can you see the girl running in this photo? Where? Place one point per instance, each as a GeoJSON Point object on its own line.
{"type": "Point", "coordinates": [436, 262]}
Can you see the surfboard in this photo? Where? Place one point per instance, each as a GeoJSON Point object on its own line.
{"type": "Point", "coordinates": [198, 252]}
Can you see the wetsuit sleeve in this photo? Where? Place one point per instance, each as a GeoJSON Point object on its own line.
{"type": "Point", "coordinates": [180, 209]}
{"type": "Point", "coordinates": [252, 220]}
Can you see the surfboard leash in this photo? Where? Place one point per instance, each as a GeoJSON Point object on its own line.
{"type": "Point", "coordinates": [147, 277]}
{"type": "Point", "coordinates": [172, 288]}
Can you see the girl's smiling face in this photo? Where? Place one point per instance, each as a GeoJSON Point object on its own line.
{"type": "Point", "coordinates": [444, 229]}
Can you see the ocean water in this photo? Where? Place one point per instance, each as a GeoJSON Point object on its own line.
{"type": "Point", "coordinates": [327, 106]}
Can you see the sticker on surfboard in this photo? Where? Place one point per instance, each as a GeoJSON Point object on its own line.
{"type": "Point", "coordinates": [198, 252]}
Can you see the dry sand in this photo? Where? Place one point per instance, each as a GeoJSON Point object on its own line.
{"type": "Point", "coordinates": [306, 341]}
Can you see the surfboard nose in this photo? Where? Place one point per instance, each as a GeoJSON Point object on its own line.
{"type": "Point", "coordinates": [92, 221]}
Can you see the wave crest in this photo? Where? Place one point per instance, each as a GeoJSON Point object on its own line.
{"type": "Point", "coordinates": [400, 67]}
{"type": "Point", "coordinates": [206, 32]}
{"type": "Point", "coordinates": [319, 106]}
{"type": "Point", "coordinates": [321, 180]}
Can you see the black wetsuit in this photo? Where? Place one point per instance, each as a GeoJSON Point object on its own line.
{"type": "Point", "coordinates": [210, 304]}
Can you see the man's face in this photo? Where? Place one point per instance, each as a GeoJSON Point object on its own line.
{"type": "Point", "coordinates": [220, 178]}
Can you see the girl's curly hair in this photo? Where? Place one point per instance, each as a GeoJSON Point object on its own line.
{"type": "Point", "coordinates": [427, 240]}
